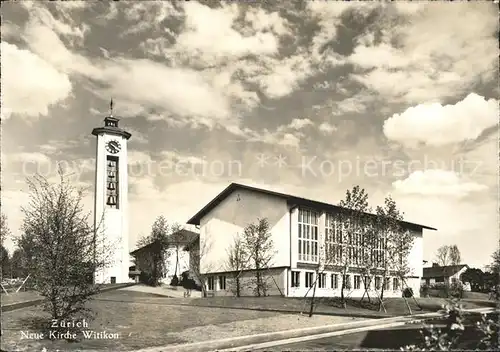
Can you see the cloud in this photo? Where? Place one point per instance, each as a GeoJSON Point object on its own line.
{"type": "Point", "coordinates": [436, 183]}
{"type": "Point", "coordinates": [210, 36]}
{"type": "Point", "coordinates": [327, 128]}
{"type": "Point", "coordinates": [435, 124]}
{"type": "Point", "coordinates": [29, 84]}
{"type": "Point", "coordinates": [300, 123]}
{"type": "Point", "coordinates": [428, 53]}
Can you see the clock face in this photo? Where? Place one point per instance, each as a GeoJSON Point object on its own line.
{"type": "Point", "coordinates": [113, 146]}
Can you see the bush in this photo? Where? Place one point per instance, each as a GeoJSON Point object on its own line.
{"type": "Point", "coordinates": [175, 281]}
{"type": "Point", "coordinates": [146, 278]}
{"type": "Point", "coordinates": [424, 290]}
{"type": "Point", "coordinates": [448, 339]}
{"type": "Point", "coordinates": [408, 292]}
{"type": "Point", "coordinates": [456, 290]}
{"type": "Point", "coordinates": [188, 283]}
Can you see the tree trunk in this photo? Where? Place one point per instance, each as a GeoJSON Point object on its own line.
{"type": "Point", "coordinates": [238, 293]}
{"type": "Point", "coordinates": [313, 296]}
{"type": "Point", "coordinates": [366, 288]}
{"type": "Point", "coordinates": [176, 259]}
{"type": "Point", "coordinates": [342, 288]}
{"type": "Point", "coordinates": [382, 293]}
{"type": "Point", "coordinates": [403, 282]}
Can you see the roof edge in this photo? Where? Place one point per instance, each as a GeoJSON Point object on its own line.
{"type": "Point", "coordinates": [195, 219]}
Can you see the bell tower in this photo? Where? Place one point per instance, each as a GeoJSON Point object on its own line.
{"type": "Point", "coordinates": [111, 200]}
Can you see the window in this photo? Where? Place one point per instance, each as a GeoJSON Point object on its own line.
{"type": "Point", "coordinates": [309, 279]}
{"type": "Point", "coordinates": [322, 280]}
{"type": "Point", "coordinates": [308, 236]}
{"type": "Point", "coordinates": [357, 282]}
{"type": "Point", "coordinates": [387, 283]}
{"type": "Point", "coordinates": [395, 284]}
{"type": "Point", "coordinates": [439, 279]}
{"type": "Point", "coordinates": [368, 282]}
{"type": "Point", "coordinates": [112, 182]}
{"type": "Point", "coordinates": [210, 283]}
{"type": "Point", "coordinates": [295, 278]}
{"type": "Point", "coordinates": [334, 281]}
{"type": "Point", "coordinates": [347, 281]}
{"type": "Point", "coordinates": [378, 282]}
{"type": "Point", "coordinates": [378, 253]}
{"type": "Point", "coordinates": [333, 240]}
{"type": "Point", "coordinates": [222, 282]}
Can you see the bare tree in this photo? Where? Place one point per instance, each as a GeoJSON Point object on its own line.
{"type": "Point", "coordinates": [237, 262]}
{"type": "Point", "coordinates": [443, 255]}
{"type": "Point", "coordinates": [199, 250]}
{"type": "Point", "coordinates": [260, 248]}
{"type": "Point", "coordinates": [396, 245]}
{"type": "Point", "coordinates": [344, 241]}
{"type": "Point", "coordinates": [159, 242]}
{"type": "Point", "coordinates": [400, 242]}
{"type": "Point", "coordinates": [61, 247]}
{"type": "Point", "coordinates": [454, 254]}
{"type": "Point", "coordinates": [351, 221]}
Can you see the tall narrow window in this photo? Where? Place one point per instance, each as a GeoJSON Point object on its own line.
{"type": "Point", "coordinates": [222, 282]}
{"type": "Point", "coordinates": [334, 281]}
{"type": "Point", "coordinates": [112, 182]}
{"type": "Point", "coordinates": [211, 283]}
{"type": "Point", "coordinates": [395, 284]}
{"type": "Point", "coordinates": [308, 236]}
{"type": "Point", "coordinates": [347, 281]}
{"type": "Point", "coordinates": [309, 279]}
{"type": "Point", "coordinates": [295, 278]}
{"type": "Point", "coordinates": [322, 280]}
{"type": "Point", "coordinates": [333, 232]}
{"type": "Point", "coordinates": [357, 282]}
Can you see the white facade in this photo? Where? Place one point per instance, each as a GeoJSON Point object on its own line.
{"type": "Point", "coordinates": [172, 268]}
{"type": "Point", "coordinates": [111, 224]}
{"type": "Point", "coordinates": [243, 206]}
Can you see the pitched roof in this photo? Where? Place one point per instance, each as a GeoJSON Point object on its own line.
{"type": "Point", "coordinates": [181, 237]}
{"type": "Point", "coordinates": [293, 200]}
{"type": "Point", "coordinates": [442, 271]}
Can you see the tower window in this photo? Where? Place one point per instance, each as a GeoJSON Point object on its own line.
{"type": "Point", "coordinates": [112, 182]}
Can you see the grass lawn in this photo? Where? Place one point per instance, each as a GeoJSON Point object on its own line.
{"type": "Point", "coordinates": [144, 320]}
{"type": "Point", "coordinates": [30, 295]}
{"type": "Point", "coordinates": [394, 306]}
{"type": "Point", "coordinates": [16, 297]}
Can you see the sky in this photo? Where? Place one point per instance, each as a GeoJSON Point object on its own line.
{"type": "Point", "coordinates": [308, 98]}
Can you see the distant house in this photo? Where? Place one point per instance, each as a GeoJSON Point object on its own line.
{"type": "Point", "coordinates": [443, 274]}
{"type": "Point", "coordinates": [177, 258]}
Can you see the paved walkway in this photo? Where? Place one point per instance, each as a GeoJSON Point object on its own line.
{"type": "Point", "coordinates": [167, 291]}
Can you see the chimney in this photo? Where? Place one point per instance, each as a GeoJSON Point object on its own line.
{"type": "Point", "coordinates": [435, 264]}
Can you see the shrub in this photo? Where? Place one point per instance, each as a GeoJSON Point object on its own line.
{"type": "Point", "coordinates": [175, 281]}
{"type": "Point", "coordinates": [456, 290]}
{"type": "Point", "coordinates": [146, 278]}
{"type": "Point", "coordinates": [447, 339]}
{"type": "Point", "coordinates": [424, 290]}
{"type": "Point", "coordinates": [408, 292]}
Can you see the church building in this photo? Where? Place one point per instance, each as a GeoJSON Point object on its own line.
{"type": "Point", "coordinates": [300, 229]}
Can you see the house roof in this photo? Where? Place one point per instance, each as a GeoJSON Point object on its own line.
{"type": "Point", "coordinates": [291, 199]}
{"type": "Point", "coordinates": [442, 271]}
{"type": "Point", "coordinates": [181, 237]}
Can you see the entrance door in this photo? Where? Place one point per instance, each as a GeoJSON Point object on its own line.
{"type": "Point", "coordinates": [113, 279]}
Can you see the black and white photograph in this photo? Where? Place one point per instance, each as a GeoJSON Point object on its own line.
{"type": "Point", "coordinates": [253, 175]}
